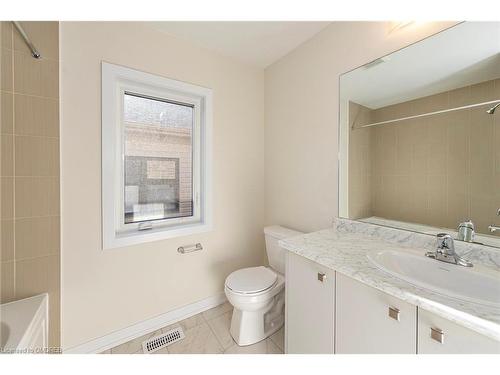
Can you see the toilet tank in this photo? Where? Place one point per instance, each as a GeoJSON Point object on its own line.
{"type": "Point", "coordinates": [276, 254]}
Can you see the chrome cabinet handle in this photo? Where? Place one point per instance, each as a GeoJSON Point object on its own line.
{"type": "Point", "coordinates": [394, 313]}
{"type": "Point", "coordinates": [321, 276]}
{"type": "Point", "coordinates": [437, 335]}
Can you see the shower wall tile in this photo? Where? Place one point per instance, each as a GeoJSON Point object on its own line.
{"type": "Point", "coordinates": [7, 240]}
{"type": "Point", "coordinates": [36, 77]}
{"type": "Point", "coordinates": [458, 199]}
{"type": "Point", "coordinates": [460, 97]}
{"type": "Point", "coordinates": [55, 312]}
{"type": "Point", "coordinates": [37, 275]}
{"type": "Point", "coordinates": [404, 149]}
{"type": "Point", "coordinates": [458, 150]}
{"type": "Point", "coordinates": [359, 204]}
{"type": "Point", "coordinates": [437, 170]}
{"type": "Point", "coordinates": [385, 150]}
{"type": "Point", "coordinates": [482, 196]}
{"type": "Point", "coordinates": [496, 88]}
{"type": "Point", "coordinates": [483, 92]}
{"type": "Point", "coordinates": [7, 284]}
{"type": "Point", "coordinates": [30, 195]}
{"type": "Point", "coordinates": [437, 202]}
{"type": "Point", "coordinates": [419, 156]}
{"type": "Point", "coordinates": [437, 129]}
{"type": "Point", "coordinates": [419, 198]}
{"type": "Point", "coordinates": [7, 155]}
{"type": "Point", "coordinates": [7, 120]}
{"type": "Point", "coordinates": [43, 34]}
{"type": "Point", "coordinates": [430, 103]}
{"type": "Point", "coordinates": [36, 196]}
{"type": "Point", "coordinates": [7, 196]}
{"type": "Point", "coordinates": [481, 144]}
{"type": "Point", "coordinates": [36, 116]}
{"type": "Point", "coordinates": [6, 81]}
{"type": "Point", "coordinates": [37, 236]}
{"type": "Point", "coordinates": [36, 156]}
{"type": "Point", "coordinates": [6, 31]}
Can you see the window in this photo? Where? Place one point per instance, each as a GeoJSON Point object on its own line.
{"type": "Point", "coordinates": [155, 157]}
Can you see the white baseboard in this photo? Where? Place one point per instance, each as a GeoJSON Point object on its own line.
{"type": "Point", "coordinates": [137, 330]}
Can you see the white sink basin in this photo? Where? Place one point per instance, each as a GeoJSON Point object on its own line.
{"type": "Point", "coordinates": [477, 284]}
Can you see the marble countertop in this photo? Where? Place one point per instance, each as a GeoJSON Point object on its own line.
{"type": "Point", "coordinates": [344, 250]}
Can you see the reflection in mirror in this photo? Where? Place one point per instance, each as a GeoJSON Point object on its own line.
{"type": "Point", "coordinates": [419, 136]}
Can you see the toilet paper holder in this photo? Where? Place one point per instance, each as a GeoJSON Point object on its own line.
{"type": "Point", "coordinates": [189, 248]}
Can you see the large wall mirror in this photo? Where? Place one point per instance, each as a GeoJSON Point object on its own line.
{"type": "Point", "coordinates": [420, 136]}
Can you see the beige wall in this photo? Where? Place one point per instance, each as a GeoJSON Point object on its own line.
{"type": "Point", "coordinates": [301, 131]}
{"type": "Point", "coordinates": [30, 167]}
{"type": "Point", "coordinates": [103, 291]}
{"type": "Point", "coordinates": [442, 169]}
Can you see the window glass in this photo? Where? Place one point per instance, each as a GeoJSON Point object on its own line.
{"type": "Point", "coordinates": [158, 168]}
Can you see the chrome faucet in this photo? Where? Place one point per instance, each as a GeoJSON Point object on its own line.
{"type": "Point", "coordinates": [494, 228]}
{"type": "Point", "coordinates": [466, 231]}
{"type": "Point", "coordinates": [445, 251]}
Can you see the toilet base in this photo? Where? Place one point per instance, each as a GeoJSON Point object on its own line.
{"type": "Point", "coordinates": [250, 327]}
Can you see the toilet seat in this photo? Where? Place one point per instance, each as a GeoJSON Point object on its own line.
{"type": "Point", "coordinates": [251, 280]}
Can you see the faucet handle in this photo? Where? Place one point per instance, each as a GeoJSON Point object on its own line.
{"type": "Point", "coordinates": [443, 236]}
{"type": "Point", "coordinates": [445, 241]}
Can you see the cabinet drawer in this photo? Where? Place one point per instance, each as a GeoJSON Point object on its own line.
{"type": "Point", "coordinates": [309, 306]}
{"type": "Point", "coordinates": [370, 321]}
{"type": "Point", "coordinates": [437, 335]}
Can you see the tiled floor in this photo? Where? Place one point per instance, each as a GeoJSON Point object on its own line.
{"type": "Point", "coordinates": [206, 333]}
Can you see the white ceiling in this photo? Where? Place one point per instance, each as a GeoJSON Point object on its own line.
{"type": "Point", "coordinates": [255, 43]}
{"type": "Point", "coordinates": [460, 56]}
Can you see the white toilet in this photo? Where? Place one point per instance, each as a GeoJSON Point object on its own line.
{"type": "Point", "coordinates": [258, 293]}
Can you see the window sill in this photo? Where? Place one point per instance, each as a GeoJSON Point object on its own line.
{"type": "Point", "coordinates": [140, 237]}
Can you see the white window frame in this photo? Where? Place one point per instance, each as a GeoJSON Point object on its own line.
{"type": "Point", "coordinates": [116, 81]}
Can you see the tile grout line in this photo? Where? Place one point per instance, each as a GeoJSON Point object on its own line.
{"type": "Point", "coordinates": [276, 344]}
{"type": "Point", "coordinates": [213, 332]}
{"type": "Point", "coordinates": [13, 164]}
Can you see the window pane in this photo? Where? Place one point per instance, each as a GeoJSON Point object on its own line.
{"type": "Point", "coordinates": [158, 159]}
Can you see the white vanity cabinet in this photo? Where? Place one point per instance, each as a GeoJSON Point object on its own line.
{"type": "Point", "coordinates": [437, 335]}
{"type": "Point", "coordinates": [370, 321]}
{"type": "Point", "coordinates": [309, 308]}
{"type": "Point", "coordinates": [328, 312]}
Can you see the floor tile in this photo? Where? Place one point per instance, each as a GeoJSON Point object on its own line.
{"type": "Point", "coordinates": [207, 332]}
{"type": "Point", "coordinates": [266, 346]}
{"type": "Point", "coordinates": [220, 327]}
{"type": "Point", "coordinates": [279, 338]}
{"type": "Point", "coordinates": [198, 340]}
{"type": "Point", "coordinates": [135, 345]}
{"type": "Point", "coordinates": [162, 351]}
{"type": "Point", "coordinates": [217, 311]}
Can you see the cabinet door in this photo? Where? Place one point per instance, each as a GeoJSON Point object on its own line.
{"type": "Point", "coordinates": [437, 335]}
{"type": "Point", "coordinates": [309, 306]}
{"type": "Point", "coordinates": [370, 321]}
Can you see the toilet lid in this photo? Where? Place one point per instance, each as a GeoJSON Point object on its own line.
{"type": "Point", "coordinates": [251, 280]}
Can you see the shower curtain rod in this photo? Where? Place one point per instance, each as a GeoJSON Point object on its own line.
{"type": "Point", "coordinates": [34, 51]}
{"type": "Point", "coordinates": [424, 114]}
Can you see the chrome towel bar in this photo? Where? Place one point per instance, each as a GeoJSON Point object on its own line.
{"type": "Point", "coordinates": [189, 248]}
